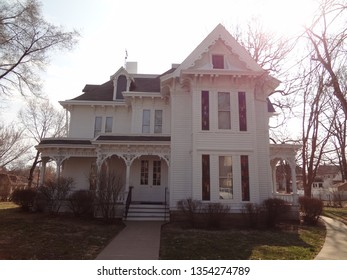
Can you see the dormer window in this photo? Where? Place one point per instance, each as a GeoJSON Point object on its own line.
{"type": "Point", "coordinates": [121, 86]}
{"type": "Point", "coordinates": [218, 61]}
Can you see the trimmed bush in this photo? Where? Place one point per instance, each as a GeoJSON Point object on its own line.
{"type": "Point", "coordinates": [81, 203]}
{"type": "Point", "coordinates": [216, 213]}
{"type": "Point", "coordinates": [252, 212]}
{"type": "Point", "coordinates": [54, 194]}
{"type": "Point", "coordinates": [275, 208]}
{"type": "Point", "coordinates": [311, 208]}
{"type": "Point", "coordinates": [24, 198]}
{"type": "Point", "coordinates": [190, 208]}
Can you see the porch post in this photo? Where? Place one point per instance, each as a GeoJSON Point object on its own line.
{"type": "Point", "coordinates": [274, 181]}
{"type": "Point", "coordinates": [294, 187]}
{"type": "Point", "coordinates": [127, 175]}
{"type": "Point", "coordinates": [43, 171]}
{"type": "Point", "coordinates": [58, 161]}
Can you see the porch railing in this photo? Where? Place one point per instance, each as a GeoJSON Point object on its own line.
{"type": "Point", "coordinates": [290, 198]}
{"type": "Point", "coordinates": [166, 203]}
{"type": "Point", "coordinates": [128, 202]}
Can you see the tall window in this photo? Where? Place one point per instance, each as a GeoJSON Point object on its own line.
{"type": "Point", "coordinates": [121, 86]}
{"type": "Point", "coordinates": [224, 120]}
{"type": "Point", "coordinates": [218, 61]}
{"type": "Point", "coordinates": [144, 172]}
{"type": "Point", "coordinates": [156, 172]}
{"type": "Point", "coordinates": [146, 121]}
{"type": "Point", "coordinates": [225, 177]}
{"type": "Point", "coordinates": [242, 111]}
{"type": "Point", "coordinates": [108, 124]}
{"type": "Point", "coordinates": [206, 177]}
{"type": "Point", "coordinates": [245, 178]}
{"type": "Point", "coordinates": [97, 126]}
{"type": "Point", "coordinates": [205, 110]}
{"type": "Point", "coordinates": [158, 121]}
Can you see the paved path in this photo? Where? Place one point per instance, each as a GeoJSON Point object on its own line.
{"type": "Point", "coordinates": [335, 245]}
{"type": "Point", "coordinates": [137, 241]}
{"type": "Point", "coordinates": [141, 241]}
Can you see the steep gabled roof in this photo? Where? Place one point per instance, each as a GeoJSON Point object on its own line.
{"type": "Point", "coordinates": [219, 33]}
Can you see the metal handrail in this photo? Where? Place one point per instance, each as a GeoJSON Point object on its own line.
{"type": "Point", "coordinates": [128, 202]}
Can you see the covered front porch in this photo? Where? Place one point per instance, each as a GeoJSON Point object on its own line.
{"type": "Point", "coordinates": [138, 165]}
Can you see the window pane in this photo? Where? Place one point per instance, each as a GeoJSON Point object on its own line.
{"type": "Point", "coordinates": [225, 177]}
{"type": "Point", "coordinates": [224, 117]}
{"type": "Point", "coordinates": [218, 61]}
{"type": "Point", "coordinates": [121, 86]}
{"type": "Point", "coordinates": [242, 111]}
{"type": "Point", "coordinates": [97, 126]}
{"type": "Point", "coordinates": [144, 172]}
{"type": "Point", "coordinates": [223, 101]}
{"type": "Point", "coordinates": [205, 177]}
{"type": "Point", "coordinates": [205, 111]}
{"type": "Point", "coordinates": [158, 121]}
{"type": "Point", "coordinates": [108, 124]}
{"type": "Point", "coordinates": [156, 172]}
{"type": "Point", "coordinates": [224, 120]}
{"type": "Point", "coordinates": [245, 178]}
{"type": "Point", "coordinates": [146, 120]}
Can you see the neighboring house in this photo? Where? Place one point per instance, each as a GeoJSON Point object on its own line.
{"type": "Point", "coordinates": [199, 130]}
{"type": "Point", "coordinates": [327, 175]}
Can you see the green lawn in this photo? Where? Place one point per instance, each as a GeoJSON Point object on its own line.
{"type": "Point", "coordinates": [336, 213]}
{"type": "Point", "coordinates": [299, 243]}
{"type": "Point", "coordinates": [40, 236]}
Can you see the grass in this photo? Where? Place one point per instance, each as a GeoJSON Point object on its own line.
{"type": "Point", "coordinates": [40, 236]}
{"type": "Point", "coordinates": [336, 213]}
{"type": "Point", "coordinates": [299, 243]}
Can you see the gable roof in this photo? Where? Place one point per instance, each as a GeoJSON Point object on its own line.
{"type": "Point", "coordinates": [219, 33]}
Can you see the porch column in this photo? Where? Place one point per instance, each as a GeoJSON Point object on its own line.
{"type": "Point", "coordinates": [43, 170]}
{"type": "Point", "coordinates": [274, 181]}
{"type": "Point", "coordinates": [294, 187]}
{"type": "Point", "coordinates": [127, 175]}
{"type": "Point", "coordinates": [59, 162]}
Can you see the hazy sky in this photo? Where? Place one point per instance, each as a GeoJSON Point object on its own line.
{"type": "Point", "coordinates": [154, 33]}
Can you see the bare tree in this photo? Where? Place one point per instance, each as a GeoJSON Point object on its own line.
{"type": "Point", "coordinates": [272, 52]}
{"type": "Point", "coordinates": [42, 120]}
{"type": "Point", "coordinates": [316, 129]}
{"type": "Point", "coordinates": [327, 35]}
{"type": "Point", "coordinates": [12, 146]}
{"type": "Point", "coordinates": [26, 41]}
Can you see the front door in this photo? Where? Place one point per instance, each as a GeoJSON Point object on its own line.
{"type": "Point", "coordinates": [149, 179]}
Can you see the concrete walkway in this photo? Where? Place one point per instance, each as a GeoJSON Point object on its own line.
{"type": "Point", "coordinates": [141, 241]}
{"type": "Point", "coordinates": [335, 245]}
{"type": "Point", "coordinates": [137, 241]}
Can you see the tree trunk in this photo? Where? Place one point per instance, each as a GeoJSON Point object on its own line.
{"type": "Point", "coordinates": [32, 169]}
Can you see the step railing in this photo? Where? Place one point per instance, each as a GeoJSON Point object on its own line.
{"type": "Point", "coordinates": [128, 201]}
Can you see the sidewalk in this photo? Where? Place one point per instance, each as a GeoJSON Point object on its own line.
{"type": "Point", "coordinates": [141, 241]}
{"type": "Point", "coordinates": [137, 241]}
{"type": "Point", "coordinates": [335, 245]}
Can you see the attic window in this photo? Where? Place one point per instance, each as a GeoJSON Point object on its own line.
{"type": "Point", "coordinates": [218, 61]}
{"type": "Point", "coordinates": [121, 86]}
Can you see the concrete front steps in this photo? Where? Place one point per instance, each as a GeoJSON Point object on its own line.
{"type": "Point", "coordinates": [147, 212]}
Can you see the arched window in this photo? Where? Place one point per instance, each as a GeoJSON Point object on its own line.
{"type": "Point", "coordinates": [121, 86]}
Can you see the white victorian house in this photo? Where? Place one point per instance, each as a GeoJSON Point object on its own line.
{"type": "Point", "coordinates": [199, 130]}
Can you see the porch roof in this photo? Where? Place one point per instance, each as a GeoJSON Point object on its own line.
{"type": "Point", "coordinates": [134, 138]}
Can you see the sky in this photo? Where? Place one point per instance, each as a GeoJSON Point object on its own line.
{"type": "Point", "coordinates": [155, 34]}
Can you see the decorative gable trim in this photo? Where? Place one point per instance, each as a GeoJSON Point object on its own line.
{"type": "Point", "coordinates": [219, 33]}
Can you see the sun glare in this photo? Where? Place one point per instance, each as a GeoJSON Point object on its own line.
{"type": "Point", "coordinates": [287, 17]}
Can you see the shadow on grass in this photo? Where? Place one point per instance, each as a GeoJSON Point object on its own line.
{"type": "Point", "coordinates": [25, 235]}
{"type": "Point", "coordinates": [178, 243]}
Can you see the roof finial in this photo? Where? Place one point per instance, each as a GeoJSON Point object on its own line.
{"type": "Point", "coordinates": [125, 58]}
